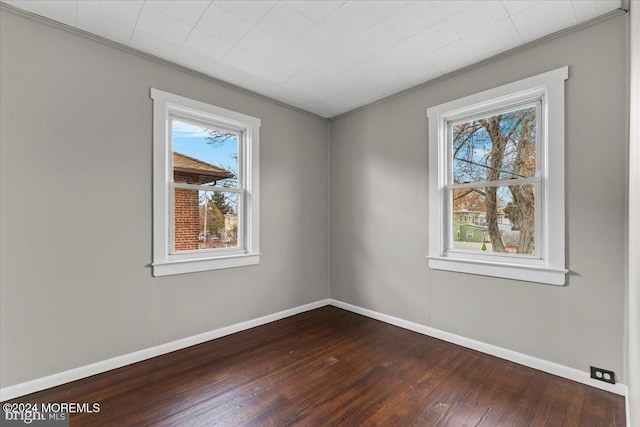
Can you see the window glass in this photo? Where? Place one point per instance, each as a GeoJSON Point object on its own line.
{"type": "Point", "coordinates": [205, 220]}
{"type": "Point", "coordinates": [501, 146]}
{"type": "Point", "coordinates": [204, 155]}
{"type": "Point", "coordinates": [503, 219]}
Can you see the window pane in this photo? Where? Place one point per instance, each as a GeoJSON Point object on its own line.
{"type": "Point", "coordinates": [494, 219]}
{"type": "Point", "coordinates": [205, 219]}
{"type": "Point", "coordinates": [204, 155]}
{"type": "Point", "coordinates": [502, 146]}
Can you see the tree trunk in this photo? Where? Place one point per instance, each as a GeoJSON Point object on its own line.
{"type": "Point", "coordinates": [523, 196]}
{"type": "Point", "coordinates": [498, 145]}
{"type": "Point", "coordinates": [492, 220]}
{"type": "Point", "coordinates": [524, 201]}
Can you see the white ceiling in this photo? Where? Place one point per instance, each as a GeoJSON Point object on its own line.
{"type": "Point", "coordinates": [326, 57]}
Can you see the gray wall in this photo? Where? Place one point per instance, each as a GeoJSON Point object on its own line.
{"type": "Point", "coordinates": [75, 188]}
{"type": "Point", "coordinates": [379, 214]}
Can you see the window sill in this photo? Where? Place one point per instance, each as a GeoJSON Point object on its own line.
{"type": "Point", "coordinates": [527, 273]}
{"type": "Point", "coordinates": [204, 264]}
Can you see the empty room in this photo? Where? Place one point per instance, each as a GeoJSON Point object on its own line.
{"type": "Point", "coordinates": [319, 213]}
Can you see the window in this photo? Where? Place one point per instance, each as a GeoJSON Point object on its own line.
{"type": "Point", "coordinates": [206, 182]}
{"type": "Point", "coordinates": [499, 155]}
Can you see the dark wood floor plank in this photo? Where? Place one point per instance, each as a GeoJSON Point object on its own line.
{"type": "Point", "coordinates": [306, 376]}
{"type": "Point", "coordinates": [452, 402]}
{"type": "Point", "coordinates": [424, 387]}
{"type": "Point", "coordinates": [226, 372]}
{"type": "Point", "coordinates": [332, 367]}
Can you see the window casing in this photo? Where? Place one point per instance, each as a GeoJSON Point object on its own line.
{"type": "Point", "coordinates": [234, 241]}
{"type": "Point", "coordinates": [538, 255]}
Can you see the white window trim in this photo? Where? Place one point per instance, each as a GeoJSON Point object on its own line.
{"type": "Point", "coordinates": [550, 268]}
{"type": "Point", "coordinates": [164, 262]}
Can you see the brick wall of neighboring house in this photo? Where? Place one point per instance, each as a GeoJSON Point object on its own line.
{"type": "Point", "coordinates": [187, 224]}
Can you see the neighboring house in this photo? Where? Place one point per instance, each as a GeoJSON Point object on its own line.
{"type": "Point", "coordinates": [464, 216]}
{"type": "Point", "coordinates": [471, 226]}
{"type": "Point", "coordinates": [471, 233]}
{"type": "Point", "coordinates": [187, 222]}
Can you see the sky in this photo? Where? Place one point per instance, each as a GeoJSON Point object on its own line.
{"type": "Point", "coordinates": [191, 140]}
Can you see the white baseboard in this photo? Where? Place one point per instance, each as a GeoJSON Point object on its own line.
{"type": "Point", "coordinates": [503, 353]}
{"type": "Point", "coordinates": [54, 380]}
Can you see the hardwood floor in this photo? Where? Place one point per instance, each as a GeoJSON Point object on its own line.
{"type": "Point", "coordinates": [331, 367]}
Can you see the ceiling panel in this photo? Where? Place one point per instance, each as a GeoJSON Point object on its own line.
{"type": "Point", "coordinates": [413, 18]}
{"type": "Point", "coordinates": [477, 16]}
{"type": "Point", "coordinates": [434, 37]}
{"type": "Point", "coordinates": [326, 57]}
{"type": "Point", "coordinates": [285, 23]}
{"type": "Point", "coordinates": [318, 42]}
{"type": "Point", "coordinates": [153, 44]}
{"type": "Point", "coordinates": [162, 26]}
{"type": "Point", "coordinates": [349, 21]}
{"type": "Point", "coordinates": [294, 59]}
{"type": "Point", "coordinates": [223, 25]}
{"type": "Point", "coordinates": [376, 39]}
{"type": "Point", "coordinates": [206, 44]}
{"type": "Point", "coordinates": [116, 22]}
{"type": "Point", "coordinates": [316, 11]}
{"type": "Point", "coordinates": [125, 12]}
{"type": "Point", "coordinates": [187, 11]}
{"type": "Point", "coordinates": [251, 11]}
{"type": "Point", "coordinates": [382, 9]}
{"type": "Point", "coordinates": [545, 17]}
{"type": "Point", "coordinates": [262, 44]}
{"type": "Point", "coordinates": [495, 39]}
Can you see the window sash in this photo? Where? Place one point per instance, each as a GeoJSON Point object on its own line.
{"type": "Point", "coordinates": [205, 123]}
{"type": "Point", "coordinates": [240, 189]}
{"type": "Point", "coordinates": [536, 101]}
{"type": "Point", "coordinates": [496, 183]}
{"type": "Point", "coordinates": [206, 187]}
{"type": "Point", "coordinates": [537, 181]}
{"type": "Point", "coordinates": [500, 108]}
